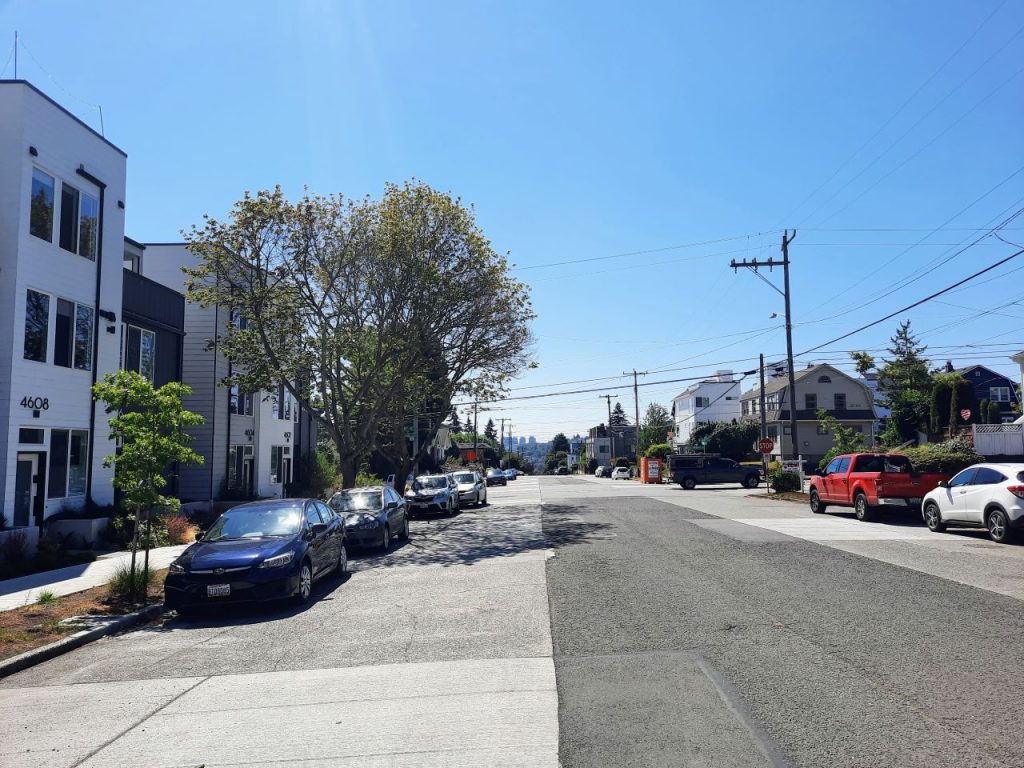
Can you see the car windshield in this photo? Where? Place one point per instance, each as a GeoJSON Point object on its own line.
{"type": "Point", "coordinates": [256, 522]}
{"type": "Point", "coordinates": [430, 483]}
{"type": "Point", "coordinates": [356, 501]}
{"type": "Point", "coordinates": [463, 477]}
{"type": "Point", "coordinates": [493, 472]}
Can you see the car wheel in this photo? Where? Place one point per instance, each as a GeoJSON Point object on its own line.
{"type": "Point", "coordinates": [305, 583]}
{"type": "Point", "coordinates": [751, 481]}
{"type": "Point", "coordinates": [817, 507]}
{"type": "Point", "coordinates": [385, 540]}
{"type": "Point", "coordinates": [689, 483]}
{"type": "Point", "coordinates": [933, 518]}
{"type": "Point", "coordinates": [861, 508]}
{"type": "Point", "coordinates": [998, 526]}
{"type": "Point", "coordinates": [341, 569]}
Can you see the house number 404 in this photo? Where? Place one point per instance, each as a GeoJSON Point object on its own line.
{"type": "Point", "coordinates": [36, 403]}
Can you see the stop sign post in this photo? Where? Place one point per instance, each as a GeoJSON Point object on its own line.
{"type": "Point", "coordinates": [765, 445]}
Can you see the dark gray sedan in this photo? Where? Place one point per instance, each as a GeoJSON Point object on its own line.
{"type": "Point", "coordinates": [373, 515]}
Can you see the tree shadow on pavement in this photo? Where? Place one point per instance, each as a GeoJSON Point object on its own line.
{"type": "Point", "coordinates": [491, 532]}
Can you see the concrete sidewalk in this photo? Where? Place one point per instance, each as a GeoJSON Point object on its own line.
{"type": "Point", "coordinates": [25, 590]}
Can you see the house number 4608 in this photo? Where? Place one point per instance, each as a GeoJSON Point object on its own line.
{"type": "Point", "coordinates": [36, 403]}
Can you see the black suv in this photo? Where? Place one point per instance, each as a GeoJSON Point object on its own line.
{"type": "Point", "coordinates": [691, 470]}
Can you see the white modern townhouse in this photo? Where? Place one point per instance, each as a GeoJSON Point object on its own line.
{"type": "Point", "coordinates": [711, 401]}
{"type": "Point", "coordinates": [253, 443]}
{"type": "Point", "coordinates": [62, 206]}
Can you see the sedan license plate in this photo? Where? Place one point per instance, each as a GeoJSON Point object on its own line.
{"type": "Point", "coordinates": [218, 590]}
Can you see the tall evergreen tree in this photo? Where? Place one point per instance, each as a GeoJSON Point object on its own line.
{"type": "Point", "coordinates": [490, 430]}
{"type": "Point", "coordinates": [619, 416]}
{"type": "Point", "coordinates": [906, 384]}
{"type": "Point", "coordinates": [456, 424]}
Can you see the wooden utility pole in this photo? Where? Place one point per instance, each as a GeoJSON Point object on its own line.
{"type": "Point", "coordinates": [787, 238]}
{"type": "Point", "coordinates": [764, 427]}
{"type": "Point", "coordinates": [611, 440]}
{"type": "Point", "coordinates": [636, 405]}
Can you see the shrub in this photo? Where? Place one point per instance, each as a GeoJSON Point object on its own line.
{"type": "Point", "coordinates": [948, 457]}
{"type": "Point", "coordinates": [179, 529]}
{"type": "Point", "coordinates": [365, 478]}
{"type": "Point", "coordinates": [785, 481]}
{"type": "Point", "coordinates": [622, 463]}
{"type": "Point", "coordinates": [126, 583]}
{"type": "Point", "coordinates": [659, 451]}
{"type": "Point", "coordinates": [51, 550]}
{"type": "Point", "coordinates": [13, 547]}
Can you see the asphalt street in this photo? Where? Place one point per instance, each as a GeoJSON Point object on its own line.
{"type": "Point", "coordinates": [823, 657]}
{"type": "Point", "coordinates": [574, 622]}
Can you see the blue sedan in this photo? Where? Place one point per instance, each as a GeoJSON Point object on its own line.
{"type": "Point", "coordinates": [373, 515]}
{"type": "Point", "coordinates": [264, 550]}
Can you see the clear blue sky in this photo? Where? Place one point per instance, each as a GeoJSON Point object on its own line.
{"type": "Point", "coordinates": [589, 129]}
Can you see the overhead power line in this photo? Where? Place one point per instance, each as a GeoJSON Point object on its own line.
{"type": "Point", "coordinates": [917, 303]}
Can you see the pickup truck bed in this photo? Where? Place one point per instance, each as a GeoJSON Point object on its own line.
{"type": "Point", "coordinates": [866, 481]}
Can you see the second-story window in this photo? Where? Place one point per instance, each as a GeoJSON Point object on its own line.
{"type": "Point", "coordinates": [702, 402]}
{"type": "Point", "coordinates": [79, 220]}
{"type": "Point", "coordinates": [811, 401]}
{"type": "Point", "coordinates": [72, 337]}
{"type": "Point", "coordinates": [139, 351]}
{"type": "Point", "coordinates": [37, 325]}
{"type": "Point", "coordinates": [840, 401]}
{"type": "Point", "coordinates": [41, 206]}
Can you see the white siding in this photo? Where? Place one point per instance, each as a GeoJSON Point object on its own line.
{"type": "Point", "coordinates": [63, 145]}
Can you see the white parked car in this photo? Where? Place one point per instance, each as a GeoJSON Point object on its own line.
{"type": "Point", "coordinates": [620, 473]}
{"type": "Point", "coordinates": [983, 495]}
{"type": "Point", "coordinates": [472, 488]}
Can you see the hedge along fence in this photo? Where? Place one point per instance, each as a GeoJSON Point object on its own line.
{"type": "Point", "coordinates": [948, 457]}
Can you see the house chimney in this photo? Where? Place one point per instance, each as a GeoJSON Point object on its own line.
{"type": "Point", "coordinates": [949, 366]}
{"type": "Point", "coordinates": [723, 375]}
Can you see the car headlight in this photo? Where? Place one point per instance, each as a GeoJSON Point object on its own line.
{"type": "Point", "coordinates": [278, 560]}
{"type": "Point", "coordinates": [175, 568]}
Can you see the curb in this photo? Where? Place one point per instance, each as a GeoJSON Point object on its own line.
{"type": "Point", "coordinates": [77, 640]}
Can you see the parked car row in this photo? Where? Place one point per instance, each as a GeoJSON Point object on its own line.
{"type": "Point", "coordinates": [989, 496]}
{"type": "Point", "coordinates": [277, 549]}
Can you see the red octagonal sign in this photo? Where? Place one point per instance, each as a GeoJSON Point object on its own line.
{"type": "Point", "coordinates": [765, 445]}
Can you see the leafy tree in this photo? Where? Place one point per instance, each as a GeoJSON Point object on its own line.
{"type": "Point", "coordinates": [490, 430]}
{"type": "Point", "coordinates": [366, 310]}
{"type": "Point", "coordinates": [863, 362]}
{"type": "Point", "coordinates": [654, 427]}
{"type": "Point", "coordinates": [733, 440]}
{"type": "Point", "coordinates": [560, 443]}
{"type": "Point", "coordinates": [844, 439]}
{"type": "Point", "coordinates": [618, 418]}
{"type": "Point", "coordinates": [658, 451]}
{"type": "Point", "coordinates": [622, 462]}
{"type": "Point", "coordinates": [554, 460]}
{"type": "Point", "coordinates": [951, 393]}
{"type": "Point", "coordinates": [149, 425]}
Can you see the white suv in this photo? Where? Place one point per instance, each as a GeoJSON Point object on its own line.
{"type": "Point", "coordinates": [620, 473]}
{"type": "Point", "coordinates": [983, 495]}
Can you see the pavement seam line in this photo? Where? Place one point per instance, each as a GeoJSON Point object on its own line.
{"type": "Point", "coordinates": [138, 722]}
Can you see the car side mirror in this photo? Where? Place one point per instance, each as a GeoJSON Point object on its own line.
{"type": "Point", "coordinates": [391, 505]}
{"type": "Point", "coordinates": [199, 535]}
{"type": "Point", "coordinates": [317, 528]}
{"type": "Point", "coordinates": [943, 484]}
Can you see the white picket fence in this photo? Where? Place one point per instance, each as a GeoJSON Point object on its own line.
{"type": "Point", "coordinates": [999, 439]}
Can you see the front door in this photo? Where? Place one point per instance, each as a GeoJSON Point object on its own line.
{"type": "Point", "coordinates": [25, 488]}
{"type": "Point", "coordinates": [247, 466]}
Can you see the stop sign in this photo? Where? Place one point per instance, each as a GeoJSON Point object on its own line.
{"type": "Point", "coordinates": [765, 445]}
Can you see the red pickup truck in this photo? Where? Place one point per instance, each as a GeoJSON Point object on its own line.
{"type": "Point", "coordinates": [866, 481]}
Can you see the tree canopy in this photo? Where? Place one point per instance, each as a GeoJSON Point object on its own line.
{"type": "Point", "coordinates": [654, 427]}
{"type": "Point", "coordinates": [559, 443]}
{"type": "Point", "coordinates": [365, 310]}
